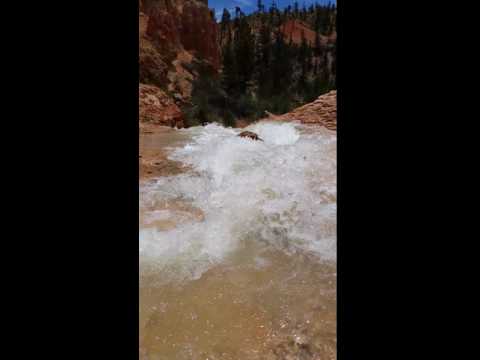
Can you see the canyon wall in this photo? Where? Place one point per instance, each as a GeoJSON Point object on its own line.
{"type": "Point", "coordinates": [175, 36]}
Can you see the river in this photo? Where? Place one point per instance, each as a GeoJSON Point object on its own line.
{"type": "Point", "coordinates": [238, 252]}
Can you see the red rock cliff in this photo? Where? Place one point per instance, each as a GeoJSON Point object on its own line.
{"type": "Point", "coordinates": [294, 30]}
{"type": "Point", "coordinates": [176, 25]}
{"type": "Point", "coordinates": [174, 34]}
{"type": "Point", "coordinates": [199, 32]}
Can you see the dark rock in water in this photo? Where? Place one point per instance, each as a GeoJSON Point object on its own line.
{"type": "Point", "coordinates": [250, 135]}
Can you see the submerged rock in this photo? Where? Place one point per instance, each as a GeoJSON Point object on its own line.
{"type": "Point", "coordinates": [250, 135]}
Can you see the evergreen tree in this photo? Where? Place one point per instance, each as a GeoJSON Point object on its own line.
{"type": "Point", "coordinates": [302, 61]}
{"type": "Point", "coordinates": [244, 49]}
{"type": "Point", "coordinates": [274, 14]}
{"type": "Point", "coordinates": [303, 14]}
{"type": "Point", "coordinates": [264, 58]}
{"type": "Point", "coordinates": [295, 9]}
{"type": "Point", "coordinates": [318, 44]}
{"type": "Point", "coordinates": [260, 7]}
{"type": "Point", "coordinates": [229, 78]}
{"type": "Point", "coordinates": [273, 7]}
{"type": "Point", "coordinates": [224, 24]}
{"type": "Point", "coordinates": [287, 11]}
{"type": "Point", "coordinates": [262, 69]}
{"type": "Point", "coordinates": [315, 68]}
{"type": "Point", "coordinates": [281, 69]}
{"type": "Point", "coordinates": [238, 15]}
{"type": "Point", "coordinates": [317, 22]}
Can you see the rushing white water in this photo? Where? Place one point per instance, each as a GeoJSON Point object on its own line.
{"type": "Point", "coordinates": [277, 194]}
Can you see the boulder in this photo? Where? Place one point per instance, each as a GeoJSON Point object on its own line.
{"type": "Point", "coordinates": [250, 135]}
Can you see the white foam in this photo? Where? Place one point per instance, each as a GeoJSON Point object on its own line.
{"type": "Point", "coordinates": [276, 133]}
{"type": "Point", "coordinates": [280, 192]}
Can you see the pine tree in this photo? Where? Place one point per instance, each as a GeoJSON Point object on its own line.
{"type": "Point", "coordinates": [273, 7]}
{"type": "Point", "coordinates": [229, 78]}
{"type": "Point", "coordinates": [224, 24]}
{"type": "Point", "coordinates": [303, 14]}
{"type": "Point", "coordinates": [318, 44]}
{"type": "Point", "coordinates": [260, 6]}
{"type": "Point", "coordinates": [295, 9]}
{"type": "Point", "coordinates": [302, 61]}
{"type": "Point", "coordinates": [317, 22]}
{"type": "Point", "coordinates": [273, 13]}
{"type": "Point", "coordinates": [244, 49]}
{"type": "Point", "coordinates": [281, 69]}
{"type": "Point", "coordinates": [261, 71]}
{"type": "Point", "coordinates": [287, 11]}
{"type": "Point", "coordinates": [264, 58]}
{"type": "Point", "coordinates": [238, 15]}
{"type": "Point", "coordinates": [315, 67]}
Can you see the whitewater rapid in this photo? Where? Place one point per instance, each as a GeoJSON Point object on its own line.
{"type": "Point", "coordinates": [277, 194]}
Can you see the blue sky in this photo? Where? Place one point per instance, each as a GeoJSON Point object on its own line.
{"type": "Point", "coordinates": [248, 6]}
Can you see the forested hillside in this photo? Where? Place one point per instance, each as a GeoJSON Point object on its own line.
{"type": "Point", "coordinates": [272, 60]}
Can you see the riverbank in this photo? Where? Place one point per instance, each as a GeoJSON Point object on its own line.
{"type": "Point", "coordinates": [154, 142]}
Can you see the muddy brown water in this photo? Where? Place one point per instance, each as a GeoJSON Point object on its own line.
{"type": "Point", "coordinates": [285, 306]}
{"type": "Point", "coordinates": [259, 303]}
{"type": "Point", "coordinates": [154, 147]}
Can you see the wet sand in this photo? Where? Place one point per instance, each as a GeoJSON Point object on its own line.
{"type": "Point", "coordinates": [153, 151]}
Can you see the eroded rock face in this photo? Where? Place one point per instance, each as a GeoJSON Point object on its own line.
{"type": "Point", "coordinates": [163, 27]}
{"type": "Point", "coordinates": [322, 111]}
{"type": "Point", "coordinates": [153, 69]}
{"type": "Point", "coordinates": [295, 30]}
{"type": "Point", "coordinates": [199, 32]}
{"type": "Point", "coordinates": [156, 107]}
{"type": "Point", "coordinates": [175, 36]}
{"type": "Point", "coordinates": [153, 64]}
{"type": "Point", "coordinates": [172, 27]}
